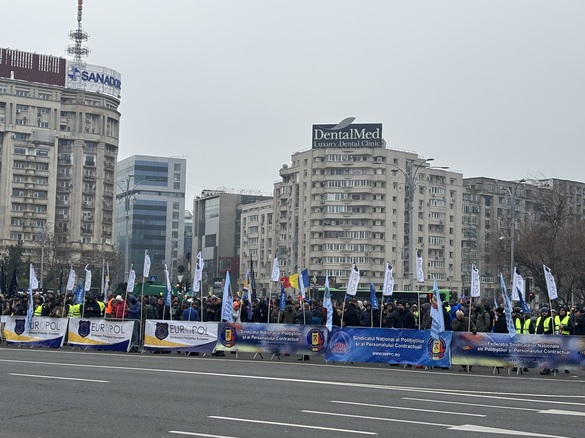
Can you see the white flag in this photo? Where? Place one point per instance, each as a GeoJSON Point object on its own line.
{"type": "Point", "coordinates": [388, 288]}
{"type": "Point", "coordinates": [33, 283]}
{"type": "Point", "coordinates": [198, 276]}
{"type": "Point", "coordinates": [327, 304]}
{"type": "Point", "coordinates": [87, 285]}
{"type": "Point", "coordinates": [71, 280]}
{"type": "Point", "coordinates": [475, 282]}
{"type": "Point", "coordinates": [438, 319]}
{"type": "Point", "coordinates": [420, 275]}
{"type": "Point", "coordinates": [353, 281]}
{"type": "Point", "coordinates": [550, 283]}
{"type": "Point", "coordinates": [167, 280]}
{"type": "Point", "coordinates": [146, 270]}
{"type": "Point", "coordinates": [131, 280]}
{"type": "Point", "coordinates": [275, 270]}
{"type": "Point", "coordinates": [227, 303]}
{"type": "Point", "coordinates": [301, 284]}
{"type": "Point", "coordinates": [517, 284]}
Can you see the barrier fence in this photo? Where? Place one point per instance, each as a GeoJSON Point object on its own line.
{"type": "Point", "coordinates": [350, 344]}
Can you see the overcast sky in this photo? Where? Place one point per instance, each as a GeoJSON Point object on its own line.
{"type": "Point", "coordinates": [488, 88]}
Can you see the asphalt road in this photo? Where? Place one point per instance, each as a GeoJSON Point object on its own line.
{"type": "Point", "coordinates": [48, 393]}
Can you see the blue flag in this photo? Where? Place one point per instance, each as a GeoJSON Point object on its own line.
{"type": "Point", "coordinates": [438, 319]}
{"type": "Point", "coordinates": [525, 307]}
{"type": "Point", "coordinates": [373, 298]}
{"type": "Point", "coordinates": [282, 297]}
{"type": "Point", "coordinates": [79, 293]}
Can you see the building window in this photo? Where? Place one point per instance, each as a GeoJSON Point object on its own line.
{"type": "Point", "coordinates": [177, 185]}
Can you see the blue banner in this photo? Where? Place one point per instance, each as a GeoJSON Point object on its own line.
{"type": "Point", "coordinates": [272, 338]}
{"type": "Point", "coordinates": [412, 347]}
{"type": "Point", "coordinates": [526, 351]}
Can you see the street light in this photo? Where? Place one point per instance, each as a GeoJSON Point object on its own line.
{"type": "Point", "coordinates": [126, 194]}
{"type": "Point", "coordinates": [513, 193]}
{"type": "Point", "coordinates": [410, 177]}
{"type": "Point", "coordinates": [43, 237]}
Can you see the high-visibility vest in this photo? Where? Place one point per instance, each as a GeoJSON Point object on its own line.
{"type": "Point", "coordinates": [109, 307]}
{"type": "Point", "coordinates": [74, 311]}
{"type": "Point", "coordinates": [546, 326]}
{"type": "Point", "coordinates": [522, 328]}
{"type": "Point", "coordinates": [102, 306]}
{"type": "Point", "coordinates": [558, 323]}
{"type": "Point", "coordinates": [38, 310]}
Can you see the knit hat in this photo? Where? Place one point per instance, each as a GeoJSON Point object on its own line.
{"type": "Point", "coordinates": [544, 309]}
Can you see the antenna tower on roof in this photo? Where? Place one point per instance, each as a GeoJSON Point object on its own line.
{"type": "Point", "coordinates": [78, 36]}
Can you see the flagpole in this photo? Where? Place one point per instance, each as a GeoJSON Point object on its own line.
{"type": "Point", "coordinates": [343, 309]}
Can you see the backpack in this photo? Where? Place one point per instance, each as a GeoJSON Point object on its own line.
{"type": "Point", "coordinates": [317, 317]}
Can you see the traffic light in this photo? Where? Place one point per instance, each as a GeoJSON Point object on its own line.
{"type": "Point", "coordinates": [530, 297]}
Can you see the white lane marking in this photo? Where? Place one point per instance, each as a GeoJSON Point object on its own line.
{"type": "Point", "coordinates": [59, 378]}
{"type": "Point", "coordinates": [180, 432]}
{"type": "Point", "coordinates": [469, 404]}
{"type": "Point", "coordinates": [312, 382]}
{"type": "Point", "coordinates": [559, 412]}
{"type": "Point", "coordinates": [405, 408]}
{"type": "Point", "coordinates": [363, 417]}
{"type": "Point", "coordinates": [303, 426]}
{"type": "Point", "coordinates": [496, 431]}
{"type": "Point", "coordinates": [463, 427]}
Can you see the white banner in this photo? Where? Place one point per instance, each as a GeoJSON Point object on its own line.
{"type": "Point", "coordinates": [275, 271]}
{"type": "Point", "coordinates": [101, 334]}
{"type": "Point", "coordinates": [44, 331]}
{"type": "Point", "coordinates": [420, 274]}
{"type": "Point", "coordinates": [180, 335]}
{"type": "Point", "coordinates": [517, 283]}
{"type": "Point", "coordinates": [475, 282]}
{"type": "Point", "coordinates": [353, 281]}
{"type": "Point", "coordinates": [388, 288]}
{"type": "Point", "coordinates": [550, 283]}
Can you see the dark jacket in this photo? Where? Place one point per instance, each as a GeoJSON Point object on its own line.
{"type": "Point", "coordinates": [404, 319]}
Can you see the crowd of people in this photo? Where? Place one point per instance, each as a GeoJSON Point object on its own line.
{"type": "Point", "coordinates": [462, 316]}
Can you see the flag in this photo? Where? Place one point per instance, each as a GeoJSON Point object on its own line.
{"type": "Point", "coordinates": [304, 282]}
{"type": "Point", "coordinates": [475, 282]}
{"type": "Point", "coordinates": [285, 282]}
{"type": "Point", "coordinates": [551, 287]}
{"type": "Point", "coordinates": [438, 324]}
{"type": "Point", "coordinates": [227, 303]}
{"type": "Point", "coordinates": [275, 270]}
{"type": "Point", "coordinates": [131, 279]}
{"type": "Point", "coordinates": [107, 282]}
{"type": "Point", "coordinates": [87, 285]}
{"type": "Point", "coordinates": [13, 288]}
{"type": "Point", "coordinates": [388, 287]}
{"type": "Point", "coordinates": [282, 298]}
{"type": "Point", "coordinates": [294, 281]}
{"type": "Point", "coordinates": [60, 290]}
{"type": "Point", "coordinates": [3, 280]}
{"type": "Point", "coordinates": [517, 283]}
{"type": "Point", "coordinates": [71, 280]}
{"type": "Point", "coordinates": [198, 275]}
{"type": "Point", "coordinates": [33, 283]}
{"type": "Point", "coordinates": [507, 308]}
{"type": "Point", "coordinates": [373, 298]}
{"type": "Point", "coordinates": [79, 294]}
{"type": "Point", "coordinates": [327, 304]}
{"type": "Point", "coordinates": [252, 281]}
{"type": "Point", "coordinates": [301, 286]}
{"type": "Point", "coordinates": [353, 281]}
{"type": "Point", "coordinates": [420, 275]}
{"type": "Point", "coordinates": [168, 288]}
{"type": "Point", "coordinates": [525, 307]}
{"type": "Point", "coordinates": [146, 269]}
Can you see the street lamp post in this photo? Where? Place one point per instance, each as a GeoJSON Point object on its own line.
{"type": "Point", "coordinates": [43, 237]}
{"type": "Point", "coordinates": [410, 177]}
{"type": "Point", "coordinates": [513, 193]}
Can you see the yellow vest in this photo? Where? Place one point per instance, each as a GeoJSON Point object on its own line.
{"type": "Point", "coordinates": [38, 310]}
{"type": "Point", "coordinates": [546, 325]}
{"type": "Point", "coordinates": [558, 323]}
{"type": "Point", "coordinates": [102, 306]}
{"type": "Point", "coordinates": [522, 329]}
{"type": "Point", "coordinates": [74, 311]}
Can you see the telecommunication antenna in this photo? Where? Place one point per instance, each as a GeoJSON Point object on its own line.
{"type": "Point", "coordinates": [78, 36]}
